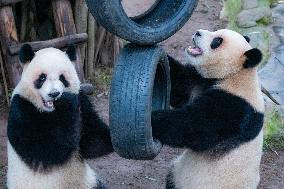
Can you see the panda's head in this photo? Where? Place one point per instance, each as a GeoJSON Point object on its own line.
{"type": "Point", "coordinates": [221, 53]}
{"type": "Point", "coordinates": [46, 75]}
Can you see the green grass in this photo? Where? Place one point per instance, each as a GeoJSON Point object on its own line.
{"type": "Point", "coordinates": [273, 1]}
{"type": "Point", "coordinates": [102, 79]}
{"type": "Point", "coordinates": [265, 50]}
{"type": "Point", "coordinates": [265, 2]}
{"type": "Point", "coordinates": [232, 8]}
{"type": "Point", "coordinates": [274, 131]}
{"type": "Point", "coordinates": [264, 21]}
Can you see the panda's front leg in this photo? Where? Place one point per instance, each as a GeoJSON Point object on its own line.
{"type": "Point", "coordinates": [95, 134]}
{"type": "Point", "coordinates": [170, 183]}
{"type": "Point", "coordinates": [170, 127]}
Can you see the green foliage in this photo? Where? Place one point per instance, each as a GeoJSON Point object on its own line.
{"type": "Point", "coordinates": [232, 8]}
{"type": "Point", "coordinates": [102, 79]}
{"type": "Point", "coordinates": [265, 21]}
{"type": "Point", "coordinates": [10, 92]}
{"type": "Point", "coordinates": [273, 1]}
{"type": "Point", "coordinates": [274, 131]}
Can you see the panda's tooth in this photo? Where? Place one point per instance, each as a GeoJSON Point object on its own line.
{"type": "Point", "coordinates": [49, 104]}
{"type": "Point", "coordinates": [189, 49]}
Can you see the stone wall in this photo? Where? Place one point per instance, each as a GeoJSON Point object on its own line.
{"type": "Point", "coordinates": [251, 13]}
{"type": "Point", "coordinates": [251, 18]}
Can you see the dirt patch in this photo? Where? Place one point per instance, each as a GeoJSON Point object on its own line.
{"type": "Point", "coordinates": [3, 150]}
{"type": "Point", "coordinates": [272, 170]}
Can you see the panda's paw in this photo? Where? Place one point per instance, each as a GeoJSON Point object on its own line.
{"type": "Point", "coordinates": [100, 185]}
{"type": "Point", "coordinates": [67, 101]}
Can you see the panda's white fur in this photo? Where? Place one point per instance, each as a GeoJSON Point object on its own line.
{"type": "Point", "coordinates": [73, 172]}
{"type": "Point", "coordinates": [237, 168]}
{"type": "Point", "coordinates": [53, 62]}
{"type": "Point", "coordinates": [72, 175]}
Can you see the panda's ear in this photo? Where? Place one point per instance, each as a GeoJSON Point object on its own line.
{"type": "Point", "coordinates": [26, 53]}
{"type": "Point", "coordinates": [247, 38]}
{"type": "Point", "coordinates": [253, 58]}
{"type": "Point", "coordinates": [71, 52]}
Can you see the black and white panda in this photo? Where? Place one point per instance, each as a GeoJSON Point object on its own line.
{"type": "Point", "coordinates": [52, 127]}
{"type": "Point", "coordinates": [221, 124]}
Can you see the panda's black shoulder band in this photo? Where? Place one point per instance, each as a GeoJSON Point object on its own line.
{"type": "Point", "coordinates": [26, 53]}
{"type": "Point", "coordinates": [216, 122]}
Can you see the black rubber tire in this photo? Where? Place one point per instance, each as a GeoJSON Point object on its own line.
{"type": "Point", "coordinates": [140, 84]}
{"type": "Point", "coordinates": [160, 22]}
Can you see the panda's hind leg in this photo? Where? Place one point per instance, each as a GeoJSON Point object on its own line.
{"type": "Point", "coordinates": [100, 184]}
{"type": "Point", "coordinates": [170, 183]}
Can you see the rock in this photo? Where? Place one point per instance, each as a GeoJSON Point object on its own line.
{"type": "Point", "coordinates": [272, 74]}
{"type": "Point", "coordinates": [223, 15]}
{"type": "Point", "coordinates": [257, 38]}
{"type": "Point", "coordinates": [279, 32]}
{"type": "Point", "coordinates": [248, 18]}
{"type": "Point", "coordinates": [278, 15]}
{"type": "Point", "coordinates": [249, 4]}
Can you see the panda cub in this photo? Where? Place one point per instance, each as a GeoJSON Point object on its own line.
{"type": "Point", "coordinates": [52, 127]}
{"type": "Point", "coordinates": [220, 125]}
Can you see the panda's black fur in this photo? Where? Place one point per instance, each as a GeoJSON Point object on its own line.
{"type": "Point", "coordinates": [47, 145]}
{"type": "Point", "coordinates": [202, 116]}
{"type": "Point", "coordinates": [44, 140]}
{"type": "Point", "coordinates": [184, 78]}
{"type": "Point", "coordinates": [95, 135]}
{"type": "Point", "coordinates": [211, 124]}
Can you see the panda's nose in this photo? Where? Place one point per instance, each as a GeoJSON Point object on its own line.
{"type": "Point", "coordinates": [54, 94]}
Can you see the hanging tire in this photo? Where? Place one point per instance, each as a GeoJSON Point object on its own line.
{"type": "Point", "coordinates": [140, 85]}
{"type": "Point", "coordinates": [160, 22]}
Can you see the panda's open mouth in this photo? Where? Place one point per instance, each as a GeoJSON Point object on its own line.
{"type": "Point", "coordinates": [48, 103]}
{"type": "Point", "coordinates": [195, 50]}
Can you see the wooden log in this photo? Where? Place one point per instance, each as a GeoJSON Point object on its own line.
{"type": "Point", "coordinates": [5, 83]}
{"type": "Point", "coordinates": [32, 21]}
{"type": "Point", "coordinates": [91, 46]}
{"type": "Point", "coordinates": [24, 19]}
{"type": "Point", "coordinates": [81, 22]}
{"type": "Point", "coordinates": [101, 36]}
{"type": "Point", "coordinates": [64, 24]}
{"type": "Point", "coordinates": [8, 2]}
{"type": "Point", "coordinates": [60, 42]}
{"type": "Point", "coordinates": [8, 36]}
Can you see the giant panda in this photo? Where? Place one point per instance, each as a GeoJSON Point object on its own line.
{"type": "Point", "coordinates": [52, 126]}
{"type": "Point", "coordinates": [220, 126]}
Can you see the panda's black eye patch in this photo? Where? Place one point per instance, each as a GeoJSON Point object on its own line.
{"type": "Point", "coordinates": [40, 80]}
{"type": "Point", "coordinates": [63, 80]}
{"type": "Point", "coordinates": [216, 42]}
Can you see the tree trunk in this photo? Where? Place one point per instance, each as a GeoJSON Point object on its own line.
{"type": "Point", "coordinates": [81, 22]}
{"type": "Point", "coordinates": [64, 24]}
{"type": "Point", "coordinates": [91, 45]}
{"type": "Point", "coordinates": [8, 37]}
